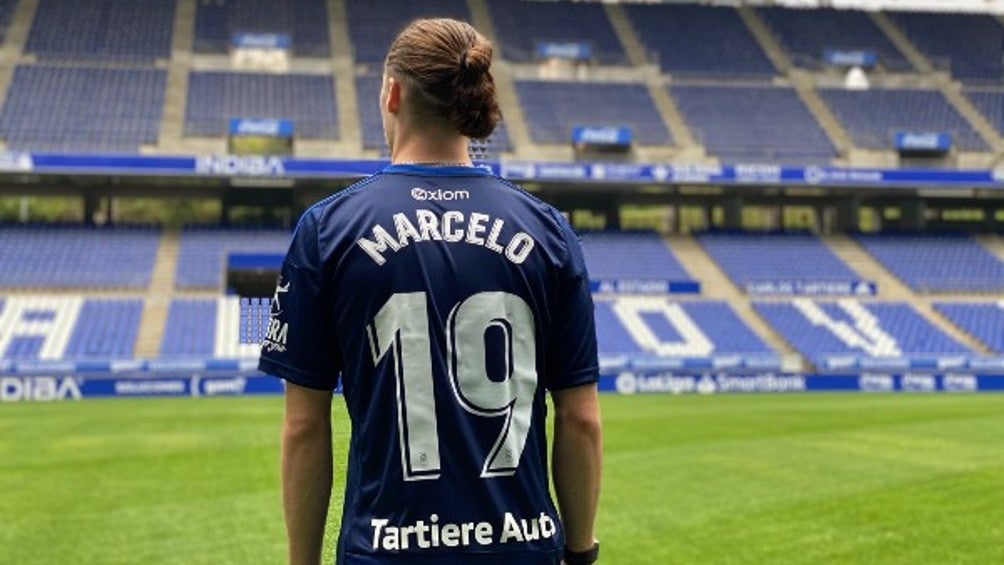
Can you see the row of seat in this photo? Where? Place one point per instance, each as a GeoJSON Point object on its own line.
{"type": "Point", "coordinates": [71, 327]}
{"type": "Point", "coordinates": [78, 257]}
{"type": "Point", "coordinates": [674, 35]}
{"type": "Point", "coordinates": [121, 109]}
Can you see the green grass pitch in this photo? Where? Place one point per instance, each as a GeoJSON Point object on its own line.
{"type": "Point", "coordinates": [822, 478]}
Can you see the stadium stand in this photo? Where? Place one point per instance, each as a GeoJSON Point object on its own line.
{"type": "Point", "coordinates": [6, 14]}
{"type": "Point", "coordinates": [44, 256]}
{"type": "Point", "coordinates": [807, 34]}
{"type": "Point", "coordinates": [371, 125]}
{"type": "Point", "coordinates": [50, 108]}
{"type": "Point", "coordinates": [305, 21]}
{"type": "Point", "coordinates": [990, 102]}
{"type": "Point", "coordinates": [662, 327]}
{"type": "Point", "coordinates": [754, 123]}
{"type": "Point", "coordinates": [982, 320]}
{"type": "Point", "coordinates": [553, 108]}
{"type": "Point", "coordinates": [642, 255]}
{"type": "Point", "coordinates": [202, 252]}
{"type": "Point", "coordinates": [306, 99]}
{"type": "Point", "coordinates": [521, 25]}
{"type": "Point", "coordinates": [937, 262]}
{"type": "Point", "coordinates": [68, 327]}
{"type": "Point", "coordinates": [102, 29]}
{"type": "Point", "coordinates": [967, 44]}
{"type": "Point", "coordinates": [885, 330]}
{"type": "Point", "coordinates": [750, 258]}
{"type": "Point", "coordinates": [872, 117]}
{"type": "Point", "coordinates": [190, 329]}
{"type": "Point", "coordinates": [372, 25]}
{"type": "Point", "coordinates": [678, 36]}
{"type": "Point", "coordinates": [107, 329]}
{"type": "Point", "coordinates": [205, 328]}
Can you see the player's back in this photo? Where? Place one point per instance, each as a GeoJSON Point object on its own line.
{"type": "Point", "coordinates": [448, 298]}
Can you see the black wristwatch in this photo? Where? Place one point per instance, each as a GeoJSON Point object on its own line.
{"type": "Point", "coordinates": [587, 557]}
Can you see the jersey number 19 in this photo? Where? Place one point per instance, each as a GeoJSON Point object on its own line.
{"type": "Point", "coordinates": [401, 327]}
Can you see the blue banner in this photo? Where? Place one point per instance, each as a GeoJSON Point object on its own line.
{"type": "Point", "coordinates": [641, 173]}
{"type": "Point", "coordinates": [571, 50]}
{"type": "Point", "coordinates": [644, 286]}
{"type": "Point", "coordinates": [922, 141]}
{"type": "Point", "coordinates": [812, 288]}
{"type": "Point", "coordinates": [609, 136]}
{"type": "Point", "coordinates": [261, 40]}
{"type": "Point", "coordinates": [261, 127]}
{"type": "Point", "coordinates": [712, 383]}
{"type": "Point", "coordinates": [49, 388]}
{"type": "Point", "coordinates": [850, 58]}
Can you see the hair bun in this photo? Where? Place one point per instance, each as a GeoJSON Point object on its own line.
{"type": "Point", "coordinates": [476, 60]}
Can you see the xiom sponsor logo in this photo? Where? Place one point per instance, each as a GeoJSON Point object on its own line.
{"type": "Point", "coordinates": [439, 194]}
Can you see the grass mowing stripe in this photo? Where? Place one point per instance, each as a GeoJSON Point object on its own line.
{"type": "Point", "coordinates": [692, 479]}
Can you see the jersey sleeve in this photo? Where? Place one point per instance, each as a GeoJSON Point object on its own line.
{"type": "Point", "coordinates": [300, 345]}
{"type": "Point", "coordinates": [572, 358]}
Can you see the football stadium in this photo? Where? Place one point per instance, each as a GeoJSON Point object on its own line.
{"type": "Point", "coordinates": [792, 214]}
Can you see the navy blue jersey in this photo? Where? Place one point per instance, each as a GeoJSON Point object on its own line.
{"type": "Point", "coordinates": [447, 302]}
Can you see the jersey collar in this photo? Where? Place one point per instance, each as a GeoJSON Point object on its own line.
{"type": "Point", "coordinates": [438, 170]}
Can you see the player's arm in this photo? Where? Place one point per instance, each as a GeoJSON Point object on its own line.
{"type": "Point", "coordinates": [577, 461]}
{"type": "Point", "coordinates": [306, 471]}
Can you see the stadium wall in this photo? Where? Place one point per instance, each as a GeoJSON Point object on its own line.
{"type": "Point", "coordinates": [77, 386]}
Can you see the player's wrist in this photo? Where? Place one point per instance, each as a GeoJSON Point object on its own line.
{"type": "Point", "coordinates": [584, 557]}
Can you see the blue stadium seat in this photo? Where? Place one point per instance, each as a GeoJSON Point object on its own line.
{"type": "Point", "coordinates": [521, 25]}
{"type": "Point", "coordinates": [202, 252]}
{"type": "Point", "coordinates": [967, 44]}
{"type": "Point", "coordinates": [102, 29]}
{"type": "Point", "coordinates": [662, 327]}
{"type": "Point", "coordinates": [74, 256]}
{"type": "Point", "coordinates": [807, 33]}
{"type": "Point", "coordinates": [553, 108]}
{"type": "Point", "coordinates": [878, 330]}
{"type": "Point", "coordinates": [373, 25]}
{"type": "Point", "coordinates": [754, 124]}
{"type": "Point", "coordinates": [990, 102]}
{"type": "Point", "coordinates": [305, 21]}
{"type": "Point", "coordinates": [937, 262]}
{"type": "Point", "coordinates": [50, 108]}
{"type": "Point", "coordinates": [190, 329]}
{"type": "Point", "coordinates": [64, 327]}
{"type": "Point", "coordinates": [749, 258]}
{"type": "Point", "coordinates": [625, 255]}
{"type": "Point", "coordinates": [872, 117]}
{"type": "Point", "coordinates": [982, 320]}
{"type": "Point", "coordinates": [691, 39]}
{"type": "Point", "coordinates": [306, 99]}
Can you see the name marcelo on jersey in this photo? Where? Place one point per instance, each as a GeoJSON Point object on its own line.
{"type": "Point", "coordinates": [451, 226]}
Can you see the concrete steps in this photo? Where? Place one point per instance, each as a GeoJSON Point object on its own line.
{"type": "Point", "coordinates": [806, 90]}
{"type": "Point", "coordinates": [172, 122]}
{"type": "Point", "coordinates": [343, 73]}
{"type": "Point", "coordinates": [13, 43]}
{"type": "Point", "coordinates": [158, 297]}
{"type": "Point", "coordinates": [761, 33]}
{"type": "Point", "coordinates": [716, 285]}
{"type": "Point", "coordinates": [899, 39]}
{"type": "Point", "coordinates": [994, 243]}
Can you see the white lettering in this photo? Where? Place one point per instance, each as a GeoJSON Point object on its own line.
{"type": "Point", "coordinates": [451, 228]}
{"type": "Point", "coordinates": [405, 230]}
{"type": "Point", "coordinates": [449, 234]}
{"type": "Point", "coordinates": [428, 225]}
{"type": "Point", "coordinates": [475, 227]}
{"type": "Point", "coordinates": [382, 240]}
